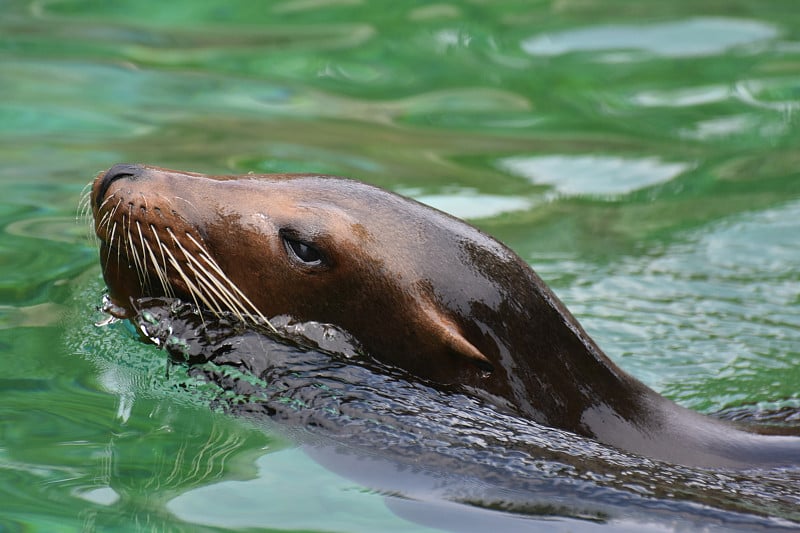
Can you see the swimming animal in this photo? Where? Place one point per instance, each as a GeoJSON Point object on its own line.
{"type": "Point", "coordinates": [417, 288]}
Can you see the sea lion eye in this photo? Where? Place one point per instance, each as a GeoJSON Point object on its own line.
{"type": "Point", "coordinates": [302, 251]}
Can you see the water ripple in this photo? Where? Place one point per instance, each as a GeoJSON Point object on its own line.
{"type": "Point", "coordinates": [733, 284]}
{"type": "Point", "coordinates": [682, 39]}
{"type": "Point", "coordinates": [592, 175]}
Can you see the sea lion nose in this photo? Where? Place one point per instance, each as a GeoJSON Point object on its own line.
{"type": "Point", "coordinates": [117, 172]}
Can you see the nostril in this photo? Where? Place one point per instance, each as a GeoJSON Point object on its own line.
{"type": "Point", "coordinates": [117, 172]}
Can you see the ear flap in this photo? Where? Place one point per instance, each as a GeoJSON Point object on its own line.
{"type": "Point", "coordinates": [450, 334]}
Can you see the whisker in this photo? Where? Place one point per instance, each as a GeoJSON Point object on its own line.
{"type": "Point", "coordinates": [211, 263]}
{"type": "Point", "coordinates": [240, 299]}
{"type": "Point", "coordinates": [85, 191]}
{"type": "Point", "coordinates": [119, 203]}
{"type": "Point", "coordinates": [168, 288]}
{"type": "Point", "coordinates": [215, 286]}
{"type": "Point", "coordinates": [119, 247]}
{"type": "Point", "coordinates": [105, 219]}
{"type": "Point", "coordinates": [84, 202]}
{"type": "Point", "coordinates": [127, 253]}
{"type": "Point", "coordinates": [194, 292]}
{"type": "Point", "coordinates": [84, 210]}
{"type": "Point", "coordinates": [105, 201]}
{"type": "Point", "coordinates": [216, 293]}
{"type": "Point", "coordinates": [136, 261]}
{"type": "Point", "coordinates": [115, 208]}
{"type": "Point", "coordinates": [85, 194]}
{"type": "Point", "coordinates": [162, 277]}
{"type": "Point", "coordinates": [209, 281]}
{"type": "Point", "coordinates": [111, 242]}
{"type": "Point", "coordinates": [141, 238]}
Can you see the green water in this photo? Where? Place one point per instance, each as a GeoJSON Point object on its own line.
{"type": "Point", "coordinates": [643, 156]}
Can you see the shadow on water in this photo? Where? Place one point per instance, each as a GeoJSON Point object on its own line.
{"type": "Point", "coordinates": [440, 457]}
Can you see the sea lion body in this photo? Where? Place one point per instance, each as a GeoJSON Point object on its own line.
{"type": "Point", "coordinates": [418, 288]}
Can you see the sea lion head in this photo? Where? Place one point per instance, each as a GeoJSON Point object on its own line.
{"type": "Point", "coordinates": [411, 284]}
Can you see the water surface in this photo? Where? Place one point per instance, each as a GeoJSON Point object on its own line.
{"type": "Point", "coordinates": [641, 156]}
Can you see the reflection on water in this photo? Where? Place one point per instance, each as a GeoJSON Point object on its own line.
{"type": "Point", "coordinates": [404, 439]}
{"type": "Point", "coordinates": [592, 175]}
{"type": "Point", "coordinates": [294, 507]}
{"type": "Point", "coordinates": [469, 203]}
{"type": "Point", "coordinates": [683, 97]}
{"type": "Point", "coordinates": [686, 38]}
{"type": "Point", "coordinates": [711, 319]}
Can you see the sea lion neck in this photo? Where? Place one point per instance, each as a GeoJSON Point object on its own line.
{"type": "Point", "coordinates": [546, 364]}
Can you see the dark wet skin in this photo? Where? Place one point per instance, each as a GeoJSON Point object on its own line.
{"type": "Point", "coordinates": [420, 290]}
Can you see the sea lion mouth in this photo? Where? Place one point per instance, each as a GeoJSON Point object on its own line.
{"type": "Point", "coordinates": [149, 249]}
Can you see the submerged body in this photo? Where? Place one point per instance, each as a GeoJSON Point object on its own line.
{"type": "Point", "coordinates": [417, 288]}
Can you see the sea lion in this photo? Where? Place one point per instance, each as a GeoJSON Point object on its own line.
{"type": "Point", "coordinates": [416, 287]}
